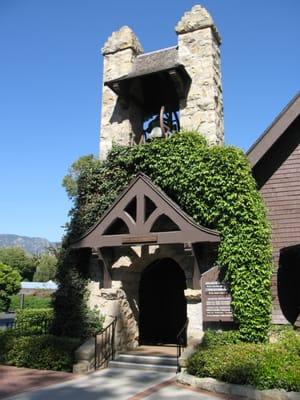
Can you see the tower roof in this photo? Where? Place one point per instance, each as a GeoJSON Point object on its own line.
{"type": "Point", "coordinates": [156, 78]}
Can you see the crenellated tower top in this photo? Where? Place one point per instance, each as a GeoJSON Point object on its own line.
{"type": "Point", "coordinates": [153, 94]}
{"type": "Point", "coordinates": [122, 39]}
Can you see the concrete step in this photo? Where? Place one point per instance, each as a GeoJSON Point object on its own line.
{"type": "Point", "coordinates": [154, 360]}
{"type": "Point", "coordinates": [138, 366]}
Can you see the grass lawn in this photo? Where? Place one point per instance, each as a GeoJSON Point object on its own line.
{"type": "Point", "coordinates": [30, 301]}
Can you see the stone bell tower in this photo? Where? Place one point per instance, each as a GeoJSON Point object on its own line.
{"type": "Point", "coordinates": [183, 81]}
{"type": "Point", "coordinates": [199, 52]}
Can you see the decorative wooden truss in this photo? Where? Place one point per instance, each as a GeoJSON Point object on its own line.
{"type": "Point", "coordinates": [143, 214]}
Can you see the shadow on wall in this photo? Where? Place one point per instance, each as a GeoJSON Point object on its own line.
{"type": "Point", "coordinates": [288, 277]}
{"type": "Point", "coordinates": [163, 307]}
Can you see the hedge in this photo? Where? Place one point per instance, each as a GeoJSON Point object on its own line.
{"type": "Point", "coordinates": [39, 352]}
{"type": "Point", "coordinates": [265, 366]}
{"type": "Point", "coordinates": [33, 321]}
{"type": "Point", "coordinates": [219, 338]}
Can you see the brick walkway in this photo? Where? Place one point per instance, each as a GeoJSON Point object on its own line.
{"type": "Point", "coordinates": [15, 380]}
{"type": "Point", "coordinates": [172, 389]}
{"type": "Point", "coordinates": [112, 384]}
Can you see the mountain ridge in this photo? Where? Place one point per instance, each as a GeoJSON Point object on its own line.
{"type": "Point", "coordinates": [33, 245]}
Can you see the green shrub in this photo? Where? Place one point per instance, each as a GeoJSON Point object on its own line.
{"type": "Point", "coordinates": [33, 321]}
{"type": "Point", "coordinates": [230, 363]}
{"type": "Point", "coordinates": [279, 332]}
{"type": "Point", "coordinates": [265, 366]}
{"type": "Point", "coordinates": [41, 352]}
{"type": "Point", "coordinates": [290, 340]}
{"type": "Point", "coordinates": [278, 368]}
{"type": "Point", "coordinates": [214, 338]}
{"type": "Point", "coordinates": [69, 301]}
{"type": "Point", "coordinates": [94, 322]}
{"type": "Point", "coordinates": [7, 339]}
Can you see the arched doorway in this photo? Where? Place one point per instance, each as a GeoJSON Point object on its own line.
{"type": "Point", "coordinates": [162, 302]}
{"type": "Point", "coordinates": [288, 279]}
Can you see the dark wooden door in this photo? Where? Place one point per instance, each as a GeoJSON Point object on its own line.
{"type": "Point", "coordinates": [162, 302]}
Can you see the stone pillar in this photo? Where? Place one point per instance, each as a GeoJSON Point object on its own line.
{"type": "Point", "coordinates": [119, 53]}
{"type": "Point", "coordinates": [194, 314]}
{"type": "Point", "coordinates": [198, 50]}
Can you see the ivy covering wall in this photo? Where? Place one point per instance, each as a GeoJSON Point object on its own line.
{"type": "Point", "coordinates": [214, 185]}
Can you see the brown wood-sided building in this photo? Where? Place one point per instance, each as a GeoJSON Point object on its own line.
{"type": "Point", "coordinates": [275, 160]}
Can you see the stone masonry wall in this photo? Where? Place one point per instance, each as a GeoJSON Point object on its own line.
{"type": "Point", "coordinates": [198, 48]}
{"type": "Point", "coordinates": [198, 51]}
{"type": "Point", "coordinates": [119, 53]}
{"type": "Point", "coordinates": [122, 299]}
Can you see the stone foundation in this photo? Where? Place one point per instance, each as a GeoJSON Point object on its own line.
{"type": "Point", "coordinates": [194, 314]}
{"type": "Point", "coordinates": [244, 391]}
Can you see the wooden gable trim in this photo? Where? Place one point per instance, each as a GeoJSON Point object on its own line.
{"type": "Point", "coordinates": [139, 227]}
{"type": "Point", "coordinates": [275, 131]}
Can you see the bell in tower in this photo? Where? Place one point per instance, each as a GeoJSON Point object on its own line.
{"type": "Point", "coordinates": [156, 86]}
{"type": "Point", "coordinates": [150, 95]}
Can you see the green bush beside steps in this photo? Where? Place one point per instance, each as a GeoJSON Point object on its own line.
{"type": "Point", "coordinates": [39, 352]}
{"type": "Point", "coordinates": [30, 342]}
{"type": "Point", "coordinates": [266, 366]}
{"type": "Point", "coordinates": [33, 321]}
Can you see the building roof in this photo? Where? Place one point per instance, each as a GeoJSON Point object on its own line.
{"type": "Point", "coordinates": [275, 131]}
{"type": "Point", "coordinates": [276, 144]}
{"type": "Point", "coordinates": [155, 61]}
{"type": "Point", "coordinates": [50, 285]}
{"type": "Point", "coordinates": [129, 221]}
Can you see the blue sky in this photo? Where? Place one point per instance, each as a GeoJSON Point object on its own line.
{"type": "Point", "coordinates": [51, 75]}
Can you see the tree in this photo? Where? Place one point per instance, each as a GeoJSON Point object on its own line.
{"type": "Point", "coordinates": [18, 259]}
{"type": "Point", "coordinates": [10, 283]}
{"type": "Point", "coordinates": [70, 180]}
{"type": "Point", "coordinates": [45, 268]}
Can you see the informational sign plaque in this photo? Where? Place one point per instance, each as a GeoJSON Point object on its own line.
{"type": "Point", "coordinates": [216, 300]}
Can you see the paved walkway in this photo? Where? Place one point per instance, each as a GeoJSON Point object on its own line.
{"type": "Point", "coordinates": [119, 384]}
{"type": "Point", "coordinates": [15, 380]}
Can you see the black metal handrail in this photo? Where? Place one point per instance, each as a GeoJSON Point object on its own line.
{"type": "Point", "coordinates": [26, 328]}
{"type": "Point", "coordinates": [105, 344]}
{"type": "Point", "coordinates": [181, 340]}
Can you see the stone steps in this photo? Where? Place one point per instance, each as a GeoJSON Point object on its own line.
{"type": "Point", "coordinates": [142, 359]}
{"type": "Point", "coordinates": [149, 363]}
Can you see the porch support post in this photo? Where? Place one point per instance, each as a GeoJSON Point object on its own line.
{"type": "Point", "coordinates": [106, 272]}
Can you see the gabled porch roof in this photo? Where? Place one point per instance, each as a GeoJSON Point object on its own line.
{"type": "Point", "coordinates": [144, 214]}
